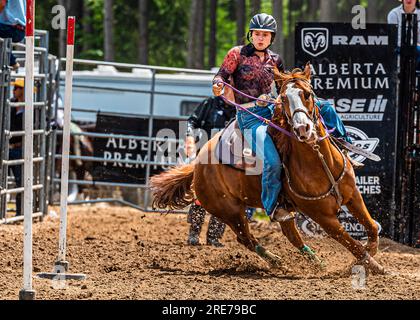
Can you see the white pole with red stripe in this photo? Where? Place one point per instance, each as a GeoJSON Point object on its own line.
{"type": "Point", "coordinates": [61, 265]}
{"type": "Point", "coordinates": [27, 293]}
{"type": "Point", "coordinates": [66, 142]}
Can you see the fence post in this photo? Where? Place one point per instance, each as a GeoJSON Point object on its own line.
{"type": "Point", "coordinates": [61, 265]}
{"type": "Point", "coordinates": [27, 293]}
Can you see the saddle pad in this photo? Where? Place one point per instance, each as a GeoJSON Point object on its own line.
{"type": "Point", "coordinates": [232, 149]}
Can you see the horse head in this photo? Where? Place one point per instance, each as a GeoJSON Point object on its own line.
{"type": "Point", "coordinates": [298, 105]}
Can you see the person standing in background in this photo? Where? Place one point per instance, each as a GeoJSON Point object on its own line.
{"type": "Point", "coordinates": [13, 24]}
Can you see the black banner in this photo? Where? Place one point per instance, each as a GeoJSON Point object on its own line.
{"type": "Point", "coordinates": [356, 69]}
{"type": "Point", "coordinates": [163, 152]}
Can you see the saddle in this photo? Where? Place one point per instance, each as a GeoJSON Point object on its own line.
{"type": "Point", "coordinates": [233, 150]}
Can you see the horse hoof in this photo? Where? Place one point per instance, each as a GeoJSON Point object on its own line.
{"type": "Point", "coordinates": [373, 266]}
{"type": "Point", "coordinates": [309, 254]}
{"type": "Point", "coordinates": [372, 248]}
{"type": "Point", "coordinates": [378, 269]}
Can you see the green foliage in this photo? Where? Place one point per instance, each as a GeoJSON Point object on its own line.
{"type": "Point", "coordinates": [168, 26]}
{"type": "Point", "coordinates": [168, 33]}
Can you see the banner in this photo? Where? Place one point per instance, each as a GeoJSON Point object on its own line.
{"type": "Point", "coordinates": [133, 149]}
{"type": "Point", "coordinates": [357, 71]}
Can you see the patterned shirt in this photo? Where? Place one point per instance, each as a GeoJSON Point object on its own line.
{"type": "Point", "coordinates": [249, 74]}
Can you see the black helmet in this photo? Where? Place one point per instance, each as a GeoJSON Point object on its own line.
{"type": "Point", "coordinates": [263, 21]}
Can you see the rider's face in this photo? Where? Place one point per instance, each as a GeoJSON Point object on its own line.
{"type": "Point", "coordinates": [409, 4]}
{"type": "Point", "coordinates": [261, 39]}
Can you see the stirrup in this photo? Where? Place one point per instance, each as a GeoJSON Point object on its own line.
{"type": "Point", "coordinates": [281, 215]}
{"type": "Point", "coordinates": [356, 164]}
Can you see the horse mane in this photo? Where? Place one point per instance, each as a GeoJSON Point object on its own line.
{"type": "Point", "coordinates": [281, 141]}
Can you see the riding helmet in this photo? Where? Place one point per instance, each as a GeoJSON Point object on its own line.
{"type": "Point", "coordinates": [264, 22]}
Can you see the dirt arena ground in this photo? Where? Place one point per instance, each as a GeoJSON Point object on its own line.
{"type": "Point", "coordinates": [131, 255]}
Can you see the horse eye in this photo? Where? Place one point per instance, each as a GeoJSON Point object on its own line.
{"type": "Point", "coordinates": [307, 95]}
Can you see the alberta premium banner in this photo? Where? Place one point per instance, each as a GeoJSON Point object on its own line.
{"type": "Point", "coordinates": [127, 158]}
{"type": "Point", "coordinates": [356, 69]}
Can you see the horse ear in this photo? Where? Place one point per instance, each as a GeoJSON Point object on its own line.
{"type": "Point", "coordinates": [307, 71]}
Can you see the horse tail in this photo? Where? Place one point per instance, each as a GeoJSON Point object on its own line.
{"type": "Point", "coordinates": [172, 189]}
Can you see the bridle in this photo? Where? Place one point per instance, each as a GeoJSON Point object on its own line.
{"type": "Point", "coordinates": [334, 190]}
{"type": "Point", "coordinates": [313, 117]}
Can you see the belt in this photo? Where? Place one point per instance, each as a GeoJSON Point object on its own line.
{"type": "Point", "coordinates": [19, 27]}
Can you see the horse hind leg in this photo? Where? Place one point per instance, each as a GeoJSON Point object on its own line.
{"type": "Point", "coordinates": [233, 214]}
{"type": "Point", "coordinates": [332, 226]}
{"type": "Point", "coordinates": [358, 209]}
{"type": "Point", "coordinates": [241, 228]}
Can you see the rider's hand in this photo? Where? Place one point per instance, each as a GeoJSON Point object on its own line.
{"type": "Point", "coordinates": [278, 101]}
{"type": "Point", "coordinates": [217, 88]}
{"type": "Point", "coordinates": [263, 103]}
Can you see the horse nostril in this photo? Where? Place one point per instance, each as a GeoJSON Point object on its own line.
{"type": "Point", "coordinates": [308, 127]}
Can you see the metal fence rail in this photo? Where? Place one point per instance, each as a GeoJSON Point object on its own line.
{"type": "Point", "coordinates": [152, 92]}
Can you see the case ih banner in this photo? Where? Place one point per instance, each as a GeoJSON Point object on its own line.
{"type": "Point", "coordinates": [131, 149]}
{"type": "Point", "coordinates": [357, 71]}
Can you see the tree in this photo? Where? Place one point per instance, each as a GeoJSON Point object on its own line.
{"type": "Point", "coordinates": [108, 30]}
{"type": "Point", "coordinates": [213, 33]}
{"type": "Point", "coordinates": [200, 34]}
{"type": "Point", "coordinates": [278, 44]}
{"type": "Point", "coordinates": [313, 7]}
{"type": "Point", "coordinates": [87, 26]}
{"type": "Point", "coordinates": [143, 50]}
{"type": "Point", "coordinates": [240, 21]}
{"type": "Point", "coordinates": [328, 9]}
{"type": "Point", "coordinates": [255, 7]}
{"type": "Point", "coordinates": [372, 11]}
{"type": "Point", "coordinates": [192, 39]}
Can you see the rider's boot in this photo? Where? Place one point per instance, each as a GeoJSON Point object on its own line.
{"type": "Point", "coordinates": [280, 214]}
{"type": "Point", "coordinates": [356, 164]}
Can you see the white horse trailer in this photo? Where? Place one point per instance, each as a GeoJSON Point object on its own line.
{"type": "Point", "coordinates": [107, 90]}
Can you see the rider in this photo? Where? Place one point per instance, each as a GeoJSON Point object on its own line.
{"type": "Point", "coordinates": [252, 69]}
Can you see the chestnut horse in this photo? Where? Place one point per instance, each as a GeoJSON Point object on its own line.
{"type": "Point", "coordinates": [318, 180]}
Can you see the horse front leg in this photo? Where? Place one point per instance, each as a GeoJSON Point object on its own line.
{"type": "Point", "coordinates": [332, 226]}
{"type": "Point", "coordinates": [358, 210]}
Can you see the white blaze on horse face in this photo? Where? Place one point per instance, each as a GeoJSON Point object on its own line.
{"type": "Point", "coordinates": [302, 125]}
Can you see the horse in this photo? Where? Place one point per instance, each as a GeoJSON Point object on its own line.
{"type": "Point", "coordinates": [318, 179]}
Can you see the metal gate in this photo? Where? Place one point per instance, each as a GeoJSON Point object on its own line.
{"type": "Point", "coordinates": [149, 136]}
{"type": "Point", "coordinates": [45, 71]}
